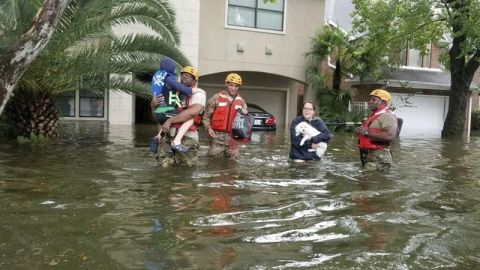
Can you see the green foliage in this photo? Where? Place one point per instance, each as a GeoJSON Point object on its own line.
{"type": "Point", "coordinates": [388, 27]}
{"type": "Point", "coordinates": [38, 139]}
{"type": "Point", "coordinates": [84, 47]}
{"type": "Point", "coordinates": [334, 43]}
{"type": "Point", "coordinates": [4, 127]}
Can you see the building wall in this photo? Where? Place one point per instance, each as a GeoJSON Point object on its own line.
{"type": "Point", "coordinates": [218, 42]}
{"type": "Point", "coordinates": [188, 23]}
{"type": "Point", "coordinates": [435, 57]}
{"type": "Point", "coordinates": [279, 75]}
{"type": "Point", "coordinates": [475, 96]}
{"type": "Point", "coordinates": [121, 108]}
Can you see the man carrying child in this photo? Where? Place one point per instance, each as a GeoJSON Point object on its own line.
{"type": "Point", "coordinates": [184, 123]}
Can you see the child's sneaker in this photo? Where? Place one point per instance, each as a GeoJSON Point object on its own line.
{"type": "Point", "coordinates": [180, 148]}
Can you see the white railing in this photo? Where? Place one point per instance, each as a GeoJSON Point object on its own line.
{"type": "Point", "coordinates": [358, 107]}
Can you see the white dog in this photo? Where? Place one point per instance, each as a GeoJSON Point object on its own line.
{"type": "Point", "coordinates": [309, 132]}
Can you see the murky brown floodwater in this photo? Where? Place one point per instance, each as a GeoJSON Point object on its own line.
{"type": "Point", "coordinates": [97, 200]}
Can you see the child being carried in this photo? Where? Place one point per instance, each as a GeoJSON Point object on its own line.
{"type": "Point", "coordinates": [165, 84]}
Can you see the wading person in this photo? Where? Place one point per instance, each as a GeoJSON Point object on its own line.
{"type": "Point", "coordinates": [305, 145]}
{"type": "Point", "coordinates": [164, 84]}
{"type": "Point", "coordinates": [219, 115]}
{"type": "Point", "coordinates": [376, 133]}
{"type": "Point", "coordinates": [172, 126]}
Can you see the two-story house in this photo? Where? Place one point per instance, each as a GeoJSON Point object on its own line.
{"type": "Point", "coordinates": [420, 87]}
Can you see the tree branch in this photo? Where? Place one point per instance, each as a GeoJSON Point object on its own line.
{"type": "Point", "coordinates": [29, 46]}
{"type": "Point", "coordinates": [473, 64]}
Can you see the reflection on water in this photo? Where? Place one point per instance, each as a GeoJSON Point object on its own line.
{"type": "Point", "coordinates": [96, 199]}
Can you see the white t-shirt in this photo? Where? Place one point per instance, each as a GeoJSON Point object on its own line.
{"type": "Point", "coordinates": [197, 98]}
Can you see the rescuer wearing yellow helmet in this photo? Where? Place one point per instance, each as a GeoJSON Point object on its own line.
{"type": "Point", "coordinates": [376, 133]}
{"type": "Point", "coordinates": [190, 70]}
{"type": "Point", "coordinates": [181, 144]}
{"type": "Point", "coordinates": [383, 95]}
{"type": "Point", "coordinates": [219, 115]}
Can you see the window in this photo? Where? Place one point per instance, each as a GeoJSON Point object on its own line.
{"type": "Point", "coordinates": [256, 14]}
{"type": "Point", "coordinates": [415, 58]}
{"type": "Point", "coordinates": [66, 104]}
{"type": "Point", "coordinates": [91, 104]}
{"type": "Point", "coordinates": [86, 102]}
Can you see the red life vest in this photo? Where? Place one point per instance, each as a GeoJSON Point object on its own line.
{"type": "Point", "coordinates": [367, 143]}
{"type": "Point", "coordinates": [224, 113]}
{"type": "Point", "coordinates": [196, 120]}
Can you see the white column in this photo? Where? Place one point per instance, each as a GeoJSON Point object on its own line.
{"type": "Point", "coordinates": [188, 23]}
{"type": "Point", "coordinates": [121, 106]}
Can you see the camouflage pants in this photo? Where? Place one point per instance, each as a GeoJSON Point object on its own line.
{"type": "Point", "coordinates": [223, 146]}
{"type": "Point", "coordinates": [166, 157]}
{"type": "Point", "coordinates": [376, 160]}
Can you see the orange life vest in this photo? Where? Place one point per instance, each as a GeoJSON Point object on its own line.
{"type": "Point", "coordinates": [196, 120]}
{"type": "Point", "coordinates": [366, 143]}
{"type": "Point", "coordinates": [224, 113]}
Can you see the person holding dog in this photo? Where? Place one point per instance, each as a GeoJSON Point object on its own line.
{"type": "Point", "coordinates": [218, 118]}
{"type": "Point", "coordinates": [301, 151]}
{"type": "Point", "coordinates": [376, 133]}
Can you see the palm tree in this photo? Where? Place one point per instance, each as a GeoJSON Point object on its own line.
{"type": "Point", "coordinates": [84, 49]}
{"type": "Point", "coordinates": [331, 43]}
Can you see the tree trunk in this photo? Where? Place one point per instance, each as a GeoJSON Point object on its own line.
{"type": "Point", "coordinates": [337, 77]}
{"type": "Point", "coordinates": [462, 72]}
{"type": "Point", "coordinates": [29, 46]}
{"type": "Point", "coordinates": [32, 115]}
{"type": "Point", "coordinates": [454, 126]}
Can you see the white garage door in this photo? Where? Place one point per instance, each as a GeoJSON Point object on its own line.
{"type": "Point", "coordinates": [424, 115]}
{"type": "Point", "coordinates": [273, 102]}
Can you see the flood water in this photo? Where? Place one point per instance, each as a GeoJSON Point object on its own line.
{"type": "Point", "coordinates": [96, 199]}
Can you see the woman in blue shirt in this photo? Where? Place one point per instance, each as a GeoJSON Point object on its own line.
{"type": "Point", "coordinates": [299, 152]}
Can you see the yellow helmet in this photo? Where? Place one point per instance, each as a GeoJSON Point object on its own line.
{"type": "Point", "coordinates": [234, 78]}
{"type": "Point", "coordinates": [190, 70]}
{"type": "Point", "coordinates": [382, 94]}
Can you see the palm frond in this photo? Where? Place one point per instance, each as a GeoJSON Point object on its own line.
{"type": "Point", "coordinates": [141, 13]}
{"type": "Point", "coordinates": [131, 86]}
{"type": "Point", "coordinates": [316, 78]}
{"type": "Point", "coordinates": [149, 44]}
{"type": "Point", "coordinates": [83, 47]}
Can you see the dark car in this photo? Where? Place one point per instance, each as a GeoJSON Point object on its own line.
{"type": "Point", "coordinates": [263, 120]}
